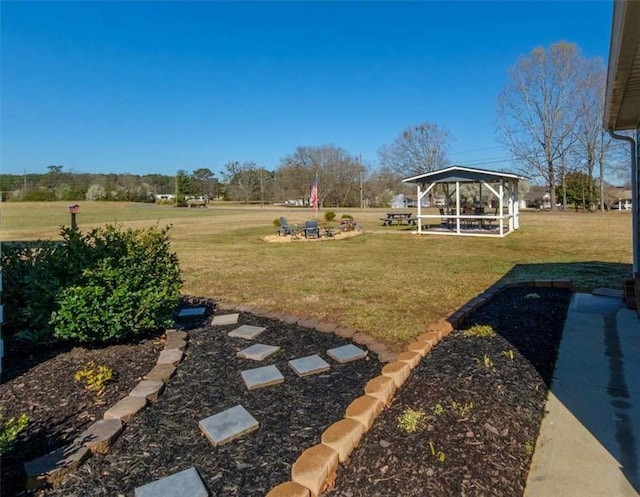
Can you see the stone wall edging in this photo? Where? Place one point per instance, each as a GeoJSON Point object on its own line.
{"type": "Point", "coordinates": [315, 470]}
{"type": "Point", "coordinates": [53, 467]}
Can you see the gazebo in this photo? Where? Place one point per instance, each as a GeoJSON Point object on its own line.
{"type": "Point", "coordinates": [496, 216]}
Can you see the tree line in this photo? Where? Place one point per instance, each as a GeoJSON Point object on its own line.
{"type": "Point", "coordinates": [549, 116]}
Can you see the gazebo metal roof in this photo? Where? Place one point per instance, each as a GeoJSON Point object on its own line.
{"type": "Point", "coordinates": [461, 174]}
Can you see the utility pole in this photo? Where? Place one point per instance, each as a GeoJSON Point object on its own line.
{"type": "Point", "coordinates": [261, 189]}
{"type": "Point", "coordinates": [361, 175]}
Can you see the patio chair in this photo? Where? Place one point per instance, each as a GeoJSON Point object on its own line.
{"type": "Point", "coordinates": [285, 229]}
{"type": "Point", "coordinates": [311, 229]}
{"type": "Point", "coordinates": [444, 221]}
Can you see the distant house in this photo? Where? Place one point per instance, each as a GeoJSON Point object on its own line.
{"type": "Point", "coordinates": [538, 197]}
{"type": "Point", "coordinates": [618, 198]}
{"type": "Point", "coordinates": [165, 196]}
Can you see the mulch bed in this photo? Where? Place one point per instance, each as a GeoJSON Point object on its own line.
{"type": "Point", "coordinates": [481, 450]}
{"type": "Point", "coordinates": [40, 383]}
{"type": "Point", "coordinates": [164, 438]}
{"type": "Point", "coordinates": [482, 419]}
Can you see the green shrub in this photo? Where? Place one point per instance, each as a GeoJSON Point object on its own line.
{"type": "Point", "coordinates": [34, 273]}
{"type": "Point", "coordinates": [276, 222]}
{"type": "Point", "coordinates": [411, 420]}
{"type": "Point", "coordinates": [329, 216]}
{"type": "Point", "coordinates": [94, 377]}
{"type": "Point", "coordinates": [133, 288]}
{"type": "Point", "coordinates": [10, 429]}
{"type": "Point", "coordinates": [480, 330]}
{"type": "Point", "coordinates": [346, 216]}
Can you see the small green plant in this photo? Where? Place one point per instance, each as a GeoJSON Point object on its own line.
{"type": "Point", "coordinates": [436, 453]}
{"type": "Point", "coordinates": [95, 377]}
{"type": "Point", "coordinates": [276, 222]}
{"type": "Point", "coordinates": [528, 447]}
{"type": "Point", "coordinates": [508, 354]}
{"type": "Point", "coordinates": [329, 216]}
{"type": "Point", "coordinates": [438, 410]}
{"type": "Point", "coordinates": [411, 420]}
{"type": "Point", "coordinates": [462, 409]}
{"type": "Point", "coordinates": [346, 216]}
{"type": "Point", "coordinates": [480, 330]}
{"type": "Point", "coordinates": [531, 296]}
{"type": "Point", "coordinates": [10, 429]}
{"type": "Point", "coordinates": [488, 363]}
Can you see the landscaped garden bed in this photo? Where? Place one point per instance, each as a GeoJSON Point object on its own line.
{"type": "Point", "coordinates": [467, 420]}
{"type": "Point", "coordinates": [476, 403]}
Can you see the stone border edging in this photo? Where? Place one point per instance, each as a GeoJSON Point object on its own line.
{"type": "Point", "coordinates": [315, 469]}
{"type": "Point", "coordinates": [52, 468]}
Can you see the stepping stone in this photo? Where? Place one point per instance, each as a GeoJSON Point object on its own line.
{"type": "Point", "coordinates": [346, 353]}
{"type": "Point", "coordinates": [184, 483]}
{"type": "Point", "coordinates": [262, 377]}
{"type": "Point", "coordinates": [258, 352]}
{"type": "Point", "coordinates": [194, 312]}
{"type": "Point", "coordinates": [247, 332]}
{"type": "Point", "coordinates": [309, 365]}
{"type": "Point", "coordinates": [228, 425]}
{"type": "Point", "coordinates": [225, 319]}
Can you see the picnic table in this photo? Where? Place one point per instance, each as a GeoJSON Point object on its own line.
{"type": "Point", "coordinates": [399, 218]}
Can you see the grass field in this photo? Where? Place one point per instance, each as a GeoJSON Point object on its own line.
{"type": "Point", "coordinates": [387, 282]}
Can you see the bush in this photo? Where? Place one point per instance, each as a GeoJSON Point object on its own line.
{"type": "Point", "coordinates": [10, 429]}
{"type": "Point", "coordinates": [347, 216]}
{"type": "Point", "coordinates": [133, 288]}
{"type": "Point", "coordinates": [98, 287]}
{"type": "Point", "coordinates": [276, 222]}
{"type": "Point", "coordinates": [34, 273]}
{"type": "Point", "coordinates": [329, 216]}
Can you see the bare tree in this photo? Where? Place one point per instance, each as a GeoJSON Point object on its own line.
{"type": "Point", "coordinates": [419, 149]}
{"type": "Point", "coordinates": [338, 175]}
{"type": "Point", "coordinates": [594, 146]}
{"type": "Point", "coordinates": [537, 110]}
{"type": "Point", "coordinates": [243, 180]}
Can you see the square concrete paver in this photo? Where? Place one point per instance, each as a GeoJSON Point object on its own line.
{"type": "Point", "coordinates": [225, 319]}
{"type": "Point", "coordinates": [228, 425]}
{"type": "Point", "coordinates": [194, 312]}
{"type": "Point", "coordinates": [184, 483]}
{"type": "Point", "coordinates": [247, 332]}
{"type": "Point", "coordinates": [262, 377]}
{"type": "Point", "coordinates": [309, 365]}
{"type": "Point", "coordinates": [258, 352]}
{"type": "Point", "coordinates": [346, 353]}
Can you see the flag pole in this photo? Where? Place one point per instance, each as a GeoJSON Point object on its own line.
{"type": "Point", "coordinates": [314, 196]}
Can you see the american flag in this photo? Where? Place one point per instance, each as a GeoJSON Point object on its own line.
{"type": "Point", "coordinates": [314, 194]}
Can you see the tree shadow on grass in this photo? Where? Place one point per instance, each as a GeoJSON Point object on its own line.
{"type": "Point", "coordinates": [585, 275]}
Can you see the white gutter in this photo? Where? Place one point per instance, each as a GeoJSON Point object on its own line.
{"type": "Point", "coordinates": [634, 200]}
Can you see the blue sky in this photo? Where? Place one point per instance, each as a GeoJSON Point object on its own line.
{"type": "Point", "coordinates": [153, 87]}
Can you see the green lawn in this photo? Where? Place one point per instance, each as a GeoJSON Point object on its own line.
{"type": "Point", "coordinates": [387, 282]}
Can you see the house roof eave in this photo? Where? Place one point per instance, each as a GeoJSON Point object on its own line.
{"type": "Point", "coordinates": [622, 99]}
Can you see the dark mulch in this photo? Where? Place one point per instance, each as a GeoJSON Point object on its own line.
{"type": "Point", "coordinates": [40, 383]}
{"type": "Point", "coordinates": [482, 420]}
{"type": "Point", "coordinates": [486, 447]}
{"type": "Point", "coordinates": [164, 438]}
